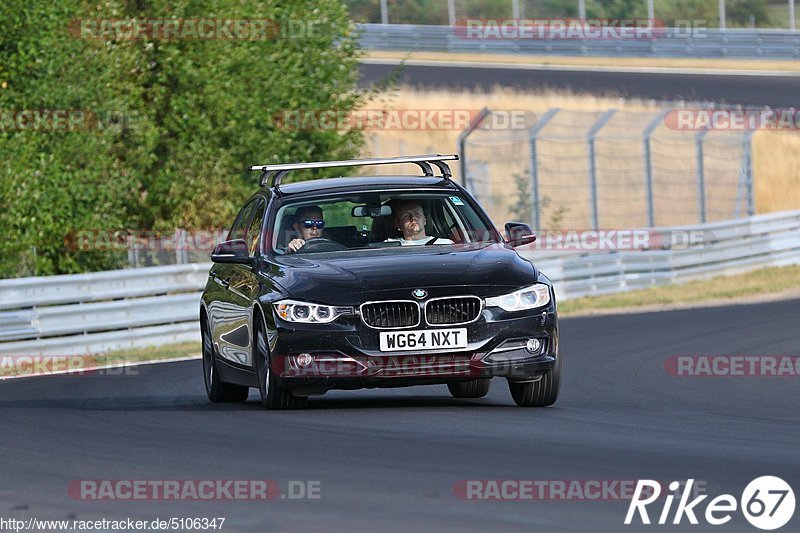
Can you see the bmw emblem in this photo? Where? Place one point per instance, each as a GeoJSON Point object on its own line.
{"type": "Point", "coordinates": [419, 294]}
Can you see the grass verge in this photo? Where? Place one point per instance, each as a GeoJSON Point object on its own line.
{"type": "Point", "coordinates": [720, 290]}
{"type": "Point", "coordinates": [625, 62]}
{"type": "Point", "coordinates": [156, 353]}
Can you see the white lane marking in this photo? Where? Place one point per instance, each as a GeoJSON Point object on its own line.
{"type": "Point", "coordinates": [577, 68]}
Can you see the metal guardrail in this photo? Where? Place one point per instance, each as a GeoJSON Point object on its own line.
{"type": "Point", "coordinates": [666, 42]}
{"type": "Point", "coordinates": [103, 311]}
{"type": "Point", "coordinates": [727, 248]}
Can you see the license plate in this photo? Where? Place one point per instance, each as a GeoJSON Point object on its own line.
{"type": "Point", "coordinates": [421, 340]}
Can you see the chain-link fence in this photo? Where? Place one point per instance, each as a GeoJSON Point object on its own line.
{"type": "Point", "coordinates": [612, 169]}
{"type": "Point", "coordinates": [559, 170]}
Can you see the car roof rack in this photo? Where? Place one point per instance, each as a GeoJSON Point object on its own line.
{"type": "Point", "coordinates": [277, 172]}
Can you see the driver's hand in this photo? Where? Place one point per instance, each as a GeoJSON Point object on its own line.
{"type": "Point", "coordinates": [295, 245]}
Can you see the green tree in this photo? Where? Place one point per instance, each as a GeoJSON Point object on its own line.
{"type": "Point", "coordinates": [199, 112]}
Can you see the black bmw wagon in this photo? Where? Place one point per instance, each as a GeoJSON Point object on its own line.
{"type": "Point", "coordinates": [374, 281]}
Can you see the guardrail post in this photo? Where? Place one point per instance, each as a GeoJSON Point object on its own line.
{"type": "Point", "coordinates": [462, 144]}
{"type": "Point", "coordinates": [590, 137]}
{"type": "Point", "coordinates": [701, 174]}
{"type": "Point", "coordinates": [532, 135]}
{"type": "Point", "coordinates": [648, 164]}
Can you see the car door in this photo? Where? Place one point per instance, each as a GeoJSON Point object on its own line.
{"type": "Point", "coordinates": [244, 287]}
{"type": "Point", "coordinates": [226, 313]}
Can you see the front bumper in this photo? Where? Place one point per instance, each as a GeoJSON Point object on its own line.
{"type": "Point", "coordinates": [345, 354]}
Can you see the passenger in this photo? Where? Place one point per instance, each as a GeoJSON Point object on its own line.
{"type": "Point", "coordinates": [308, 222]}
{"type": "Point", "coordinates": [410, 219]}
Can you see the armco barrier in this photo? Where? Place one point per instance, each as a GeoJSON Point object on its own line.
{"type": "Point", "coordinates": [666, 42]}
{"type": "Point", "coordinates": [103, 311]}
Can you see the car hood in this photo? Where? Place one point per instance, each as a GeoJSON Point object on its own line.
{"type": "Point", "coordinates": [347, 278]}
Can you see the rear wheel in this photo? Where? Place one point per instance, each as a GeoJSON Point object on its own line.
{"type": "Point", "coordinates": [539, 393]}
{"type": "Point", "coordinates": [273, 395]}
{"type": "Point", "coordinates": [217, 390]}
{"type": "Point", "coordinates": [474, 388]}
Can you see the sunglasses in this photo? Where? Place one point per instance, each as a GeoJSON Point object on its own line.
{"type": "Point", "coordinates": [319, 224]}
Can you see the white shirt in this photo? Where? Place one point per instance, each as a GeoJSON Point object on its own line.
{"type": "Point", "coordinates": [414, 242]}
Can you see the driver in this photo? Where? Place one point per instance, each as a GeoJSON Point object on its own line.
{"type": "Point", "coordinates": [410, 219]}
{"type": "Point", "coordinates": [308, 222]}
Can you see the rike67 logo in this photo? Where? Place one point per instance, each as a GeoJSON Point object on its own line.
{"type": "Point", "coordinates": [767, 503]}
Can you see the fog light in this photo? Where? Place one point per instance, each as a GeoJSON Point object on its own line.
{"type": "Point", "coordinates": [304, 359]}
{"type": "Point", "coordinates": [533, 345]}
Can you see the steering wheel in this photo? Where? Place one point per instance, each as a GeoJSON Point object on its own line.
{"type": "Point", "coordinates": [321, 244]}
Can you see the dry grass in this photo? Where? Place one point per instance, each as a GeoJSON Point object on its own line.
{"type": "Point", "coordinates": [720, 290]}
{"type": "Point", "coordinates": [619, 156]}
{"type": "Point", "coordinates": [625, 62]}
{"type": "Point", "coordinates": [776, 165]}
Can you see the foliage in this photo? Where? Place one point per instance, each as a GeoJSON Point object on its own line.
{"type": "Point", "coordinates": [524, 208]}
{"type": "Point", "coordinates": [193, 114]}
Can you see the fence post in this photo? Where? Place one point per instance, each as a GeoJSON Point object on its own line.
{"type": "Point", "coordinates": [532, 136]}
{"type": "Point", "coordinates": [648, 165]}
{"type": "Point", "coordinates": [748, 169]}
{"type": "Point", "coordinates": [590, 137]}
{"type": "Point", "coordinates": [701, 174]}
{"type": "Point", "coordinates": [462, 144]}
{"type": "Point", "coordinates": [384, 12]}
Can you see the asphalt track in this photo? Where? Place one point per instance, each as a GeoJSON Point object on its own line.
{"type": "Point", "coordinates": [388, 459]}
{"type": "Point", "coordinates": [777, 91]}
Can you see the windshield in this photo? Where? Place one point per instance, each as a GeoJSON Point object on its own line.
{"type": "Point", "coordinates": [377, 221]}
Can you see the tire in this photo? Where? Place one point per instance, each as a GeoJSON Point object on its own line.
{"type": "Point", "coordinates": [538, 393]}
{"type": "Point", "coordinates": [273, 395]}
{"type": "Point", "coordinates": [474, 388]}
{"type": "Point", "coordinates": [217, 390]}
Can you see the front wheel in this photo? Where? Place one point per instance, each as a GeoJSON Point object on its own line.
{"type": "Point", "coordinates": [217, 390]}
{"type": "Point", "coordinates": [273, 395]}
{"type": "Point", "coordinates": [539, 393]}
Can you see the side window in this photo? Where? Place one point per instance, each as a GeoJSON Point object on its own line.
{"type": "Point", "coordinates": [253, 234]}
{"type": "Point", "coordinates": [239, 227]}
{"type": "Point", "coordinates": [453, 229]}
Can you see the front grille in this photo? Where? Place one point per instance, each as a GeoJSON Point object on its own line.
{"type": "Point", "coordinates": [458, 310]}
{"type": "Point", "coordinates": [399, 314]}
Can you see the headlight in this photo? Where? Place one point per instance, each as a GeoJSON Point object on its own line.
{"type": "Point", "coordinates": [308, 313]}
{"type": "Point", "coordinates": [537, 295]}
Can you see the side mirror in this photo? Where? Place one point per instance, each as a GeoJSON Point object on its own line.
{"type": "Point", "coordinates": [519, 234]}
{"type": "Point", "coordinates": [234, 251]}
